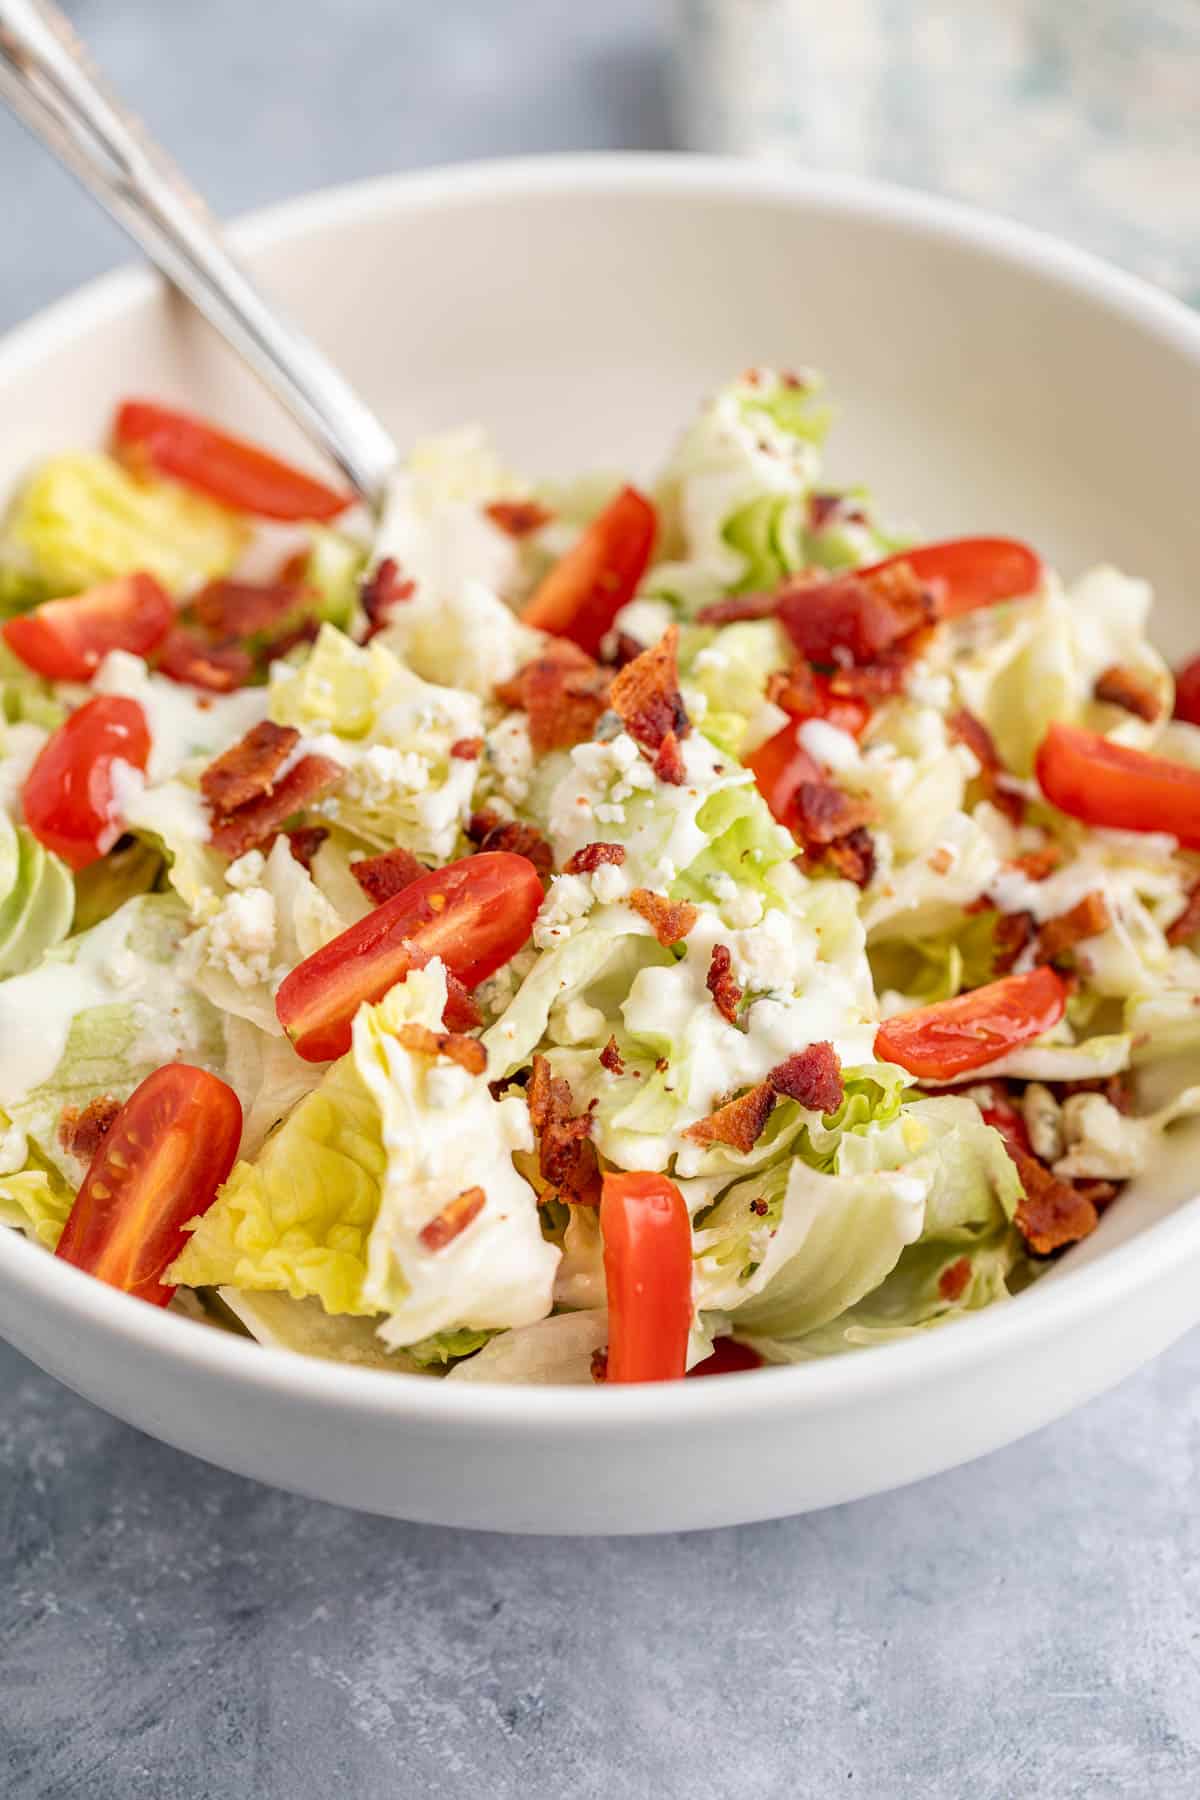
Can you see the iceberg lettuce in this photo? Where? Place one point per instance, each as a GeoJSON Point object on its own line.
{"type": "Point", "coordinates": [37, 899]}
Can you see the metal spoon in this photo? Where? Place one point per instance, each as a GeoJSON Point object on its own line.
{"type": "Point", "coordinates": [49, 83]}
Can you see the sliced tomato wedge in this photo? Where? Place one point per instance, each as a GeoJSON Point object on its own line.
{"type": "Point", "coordinates": [159, 1164]}
{"type": "Point", "coordinates": [1002, 1115]}
{"type": "Point", "coordinates": [1187, 692]}
{"type": "Point", "coordinates": [848, 712]}
{"type": "Point", "coordinates": [968, 573]}
{"type": "Point", "coordinates": [779, 767]}
{"type": "Point", "coordinates": [475, 915]}
{"type": "Point", "coordinates": [238, 474]}
{"type": "Point", "coordinates": [67, 640]}
{"type": "Point", "coordinates": [648, 1272]}
{"type": "Point", "coordinates": [68, 798]}
{"type": "Point", "coordinates": [728, 1358]}
{"type": "Point", "coordinates": [1102, 783]}
{"type": "Point", "coordinates": [938, 1043]}
{"type": "Point", "coordinates": [586, 589]}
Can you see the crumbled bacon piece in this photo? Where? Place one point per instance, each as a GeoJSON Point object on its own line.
{"type": "Point", "coordinates": [453, 1219]}
{"type": "Point", "coordinates": [759, 1207]}
{"type": "Point", "coordinates": [855, 617]}
{"type": "Point", "coordinates": [599, 1365]}
{"type": "Point", "coordinates": [812, 1078]}
{"type": "Point", "coordinates": [1035, 865]}
{"type": "Point", "coordinates": [954, 1279]}
{"type": "Point", "coordinates": [242, 609]}
{"type": "Point", "coordinates": [739, 1123]}
{"type": "Point", "coordinates": [81, 1131]}
{"type": "Point", "coordinates": [611, 1058]}
{"type": "Point", "coordinates": [258, 821]}
{"type": "Point", "coordinates": [966, 729]}
{"type": "Point", "coordinates": [822, 812]}
{"type": "Point", "coordinates": [668, 761]}
{"type": "Point", "coordinates": [488, 831]}
{"type": "Point", "coordinates": [466, 749]}
{"type": "Point", "coordinates": [880, 680]}
{"type": "Point", "coordinates": [1012, 933]}
{"type": "Point", "coordinates": [1052, 1212]}
{"type": "Point", "coordinates": [1132, 691]}
{"type": "Point", "coordinates": [794, 689]}
{"type": "Point", "coordinates": [518, 517]}
{"type": "Point", "coordinates": [592, 856]}
{"type": "Point", "coordinates": [467, 1052]}
{"type": "Point", "coordinates": [671, 919]}
{"type": "Point", "coordinates": [460, 1012]}
{"type": "Point", "coordinates": [187, 657]}
{"type": "Point", "coordinates": [645, 694]}
{"type": "Point", "coordinates": [247, 770]}
{"type": "Point", "coordinates": [305, 841]}
{"type": "Point", "coordinates": [824, 507]}
{"type": "Point", "coordinates": [566, 1155]}
{"type": "Point", "coordinates": [382, 590]}
{"type": "Point", "coordinates": [727, 995]}
{"type": "Point", "coordinates": [853, 856]}
{"type": "Point", "coordinates": [1187, 925]}
{"type": "Point", "coordinates": [380, 877]}
{"type": "Point", "coordinates": [1086, 919]}
{"type": "Point", "coordinates": [563, 690]}
{"type": "Point", "coordinates": [304, 632]}
{"type": "Point", "coordinates": [1115, 1088]}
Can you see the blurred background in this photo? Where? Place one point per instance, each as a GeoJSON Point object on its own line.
{"type": "Point", "coordinates": [1081, 116]}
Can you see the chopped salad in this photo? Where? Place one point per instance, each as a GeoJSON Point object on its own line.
{"type": "Point", "coordinates": [566, 933]}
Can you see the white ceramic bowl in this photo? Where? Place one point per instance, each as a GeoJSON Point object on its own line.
{"type": "Point", "coordinates": [986, 379]}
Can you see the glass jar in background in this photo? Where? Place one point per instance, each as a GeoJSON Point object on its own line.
{"type": "Point", "coordinates": [1081, 116]}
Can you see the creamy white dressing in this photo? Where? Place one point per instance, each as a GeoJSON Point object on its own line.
{"type": "Point", "coordinates": [184, 723]}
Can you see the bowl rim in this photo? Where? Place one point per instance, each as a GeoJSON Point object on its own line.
{"type": "Point", "coordinates": [1045, 1311]}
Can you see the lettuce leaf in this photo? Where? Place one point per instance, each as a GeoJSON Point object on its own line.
{"type": "Point", "coordinates": [37, 899]}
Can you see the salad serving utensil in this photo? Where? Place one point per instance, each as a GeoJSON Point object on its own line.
{"type": "Point", "coordinates": [48, 81]}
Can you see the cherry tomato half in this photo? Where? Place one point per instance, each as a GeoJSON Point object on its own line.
{"type": "Point", "coordinates": [238, 474]}
{"type": "Point", "coordinates": [971, 572]}
{"type": "Point", "coordinates": [1187, 692]}
{"type": "Point", "coordinates": [938, 1043]}
{"type": "Point", "coordinates": [1102, 783]}
{"type": "Point", "coordinates": [779, 768]}
{"type": "Point", "coordinates": [68, 798]}
{"type": "Point", "coordinates": [67, 640]}
{"type": "Point", "coordinates": [648, 1272]}
{"type": "Point", "coordinates": [159, 1164]}
{"type": "Point", "coordinates": [586, 589]}
{"type": "Point", "coordinates": [475, 915]}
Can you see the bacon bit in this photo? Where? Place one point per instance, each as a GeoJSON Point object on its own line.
{"type": "Point", "coordinates": [1012, 934]}
{"type": "Point", "coordinates": [759, 1208]}
{"type": "Point", "coordinates": [625, 649]}
{"type": "Point", "coordinates": [599, 1365]}
{"type": "Point", "coordinates": [243, 609]}
{"type": "Point", "coordinates": [824, 507]}
{"type": "Point", "coordinates": [736, 607]}
{"type": "Point", "coordinates": [259, 820]}
{"type": "Point", "coordinates": [822, 813]}
{"type": "Point", "coordinates": [645, 694]}
{"type": "Point", "coordinates": [668, 761]}
{"type": "Point", "coordinates": [518, 517]}
{"type": "Point", "coordinates": [856, 618]}
{"type": "Point", "coordinates": [82, 1131]}
{"type": "Point", "coordinates": [186, 657]}
{"type": "Point", "coordinates": [566, 1156]}
{"type": "Point", "coordinates": [812, 1078]}
{"type": "Point", "coordinates": [248, 769]}
{"type": "Point", "coordinates": [1052, 1212]}
{"type": "Point", "coordinates": [1130, 690]}
{"type": "Point", "coordinates": [671, 919]}
{"type": "Point", "coordinates": [853, 857]}
{"type": "Point", "coordinates": [488, 831]}
{"type": "Point", "coordinates": [467, 1052]}
{"type": "Point", "coordinates": [1086, 919]}
{"type": "Point", "coordinates": [739, 1123]}
{"type": "Point", "coordinates": [382, 590]}
{"type": "Point", "coordinates": [966, 729]}
{"type": "Point", "coordinates": [304, 842]}
{"type": "Point", "coordinates": [611, 1058]}
{"type": "Point", "coordinates": [466, 749]}
{"type": "Point", "coordinates": [563, 690]}
{"type": "Point", "coordinates": [1035, 865]}
{"type": "Point", "coordinates": [795, 689]}
{"type": "Point", "coordinates": [453, 1219]}
{"type": "Point", "coordinates": [880, 680]}
{"type": "Point", "coordinates": [1187, 924]}
{"type": "Point", "coordinates": [1100, 1193]}
{"type": "Point", "coordinates": [1115, 1089]}
{"type": "Point", "coordinates": [592, 856]}
{"type": "Point", "coordinates": [953, 1281]}
{"type": "Point", "coordinates": [303, 633]}
{"type": "Point", "coordinates": [727, 995]}
{"type": "Point", "coordinates": [381, 877]}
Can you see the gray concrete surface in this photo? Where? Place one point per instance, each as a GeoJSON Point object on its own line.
{"type": "Point", "coordinates": [1027, 1626]}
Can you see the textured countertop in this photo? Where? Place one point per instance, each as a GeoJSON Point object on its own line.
{"type": "Point", "coordinates": [1027, 1626]}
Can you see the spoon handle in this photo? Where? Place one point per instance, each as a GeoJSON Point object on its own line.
{"type": "Point", "coordinates": [48, 81]}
